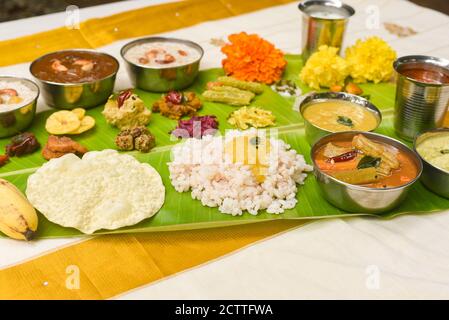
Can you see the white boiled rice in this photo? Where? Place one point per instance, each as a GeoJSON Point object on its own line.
{"type": "Point", "coordinates": [199, 165]}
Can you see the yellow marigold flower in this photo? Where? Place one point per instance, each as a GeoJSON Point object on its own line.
{"type": "Point", "coordinates": [370, 60]}
{"type": "Point", "coordinates": [324, 68]}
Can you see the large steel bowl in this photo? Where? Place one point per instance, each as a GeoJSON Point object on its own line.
{"type": "Point", "coordinates": [314, 132]}
{"type": "Point", "coordinates": [360, 199]}
{"type": "Point", "coordinates": [162, 78]}
{"type": "Point", "coordinates": [63, 95]}
{"type": "Point", "coordinates": [17, 120]}
{"type": "Point", "coordinates": [434, 178]}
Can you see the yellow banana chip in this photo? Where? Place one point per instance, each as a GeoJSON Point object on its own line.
{"type": "Point", "coordinates": [86, 124]}
{"type": "Point", "coordinates": [80, 112]}
{"type": "Point", "coordinates": [62, 122]}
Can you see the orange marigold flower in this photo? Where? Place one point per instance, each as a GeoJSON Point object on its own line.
{"type": "Point", "coordinates": [251, 58]}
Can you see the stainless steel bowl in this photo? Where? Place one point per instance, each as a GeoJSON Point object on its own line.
{"type": "Point", "coordinates": [433, 178]}
{"type": "Point", "coordinates": [65, 95]}
{"type": "Point", "coordinates": [162, 79]}
{"type": "Point", "coordinates": [20, 118]}
{"type": "Point", "coordinates": [360, 199]}
{"type": "Point", "coordinates": [313, 132]}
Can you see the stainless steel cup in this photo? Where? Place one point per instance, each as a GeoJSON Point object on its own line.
{"type": "Point", "coordinates": [419, 106]}
{"type": "Point", "coordinates": [323, 23]}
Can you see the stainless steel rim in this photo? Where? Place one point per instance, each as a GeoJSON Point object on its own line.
{"type": "Point", "coordinates": [305, 4]}
{"type": "Point", "coordinates": [438, 62]}
{"type": "Point", "coordinates": [133, 43]}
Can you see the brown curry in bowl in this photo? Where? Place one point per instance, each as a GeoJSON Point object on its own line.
{"type": "Point", "coordinates": [74, 66]}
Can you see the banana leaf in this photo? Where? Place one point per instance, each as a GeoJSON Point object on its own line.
{"type": "Point", "coordinates": [180, 211]}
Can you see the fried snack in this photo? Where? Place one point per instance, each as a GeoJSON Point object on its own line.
{"type": "Point", "coordinates": [58, 146]}
{"type": "Point", "coordinates": [138, 138]}
{"type": "Point", "coordinates": [103, 190]}
{"type": "Point", "coordinates": [62, 122]}
{"type": "Point", "coordinates": [87, 123]}
{"type": "Point", "coordinates": [80, 112]}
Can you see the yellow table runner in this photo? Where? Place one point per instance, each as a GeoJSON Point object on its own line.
{"type": "Point", "coordinates": [111, 265]}
{"type": "Point", "coordinates": [99, 32]}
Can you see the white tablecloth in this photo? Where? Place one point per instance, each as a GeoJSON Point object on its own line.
{"type": "Point", "coordinates": [407, 257]}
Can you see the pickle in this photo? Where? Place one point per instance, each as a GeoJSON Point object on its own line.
{"type": "Point", "coordinates": [254, 87]}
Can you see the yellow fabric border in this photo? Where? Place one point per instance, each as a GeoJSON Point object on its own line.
{"type": "Point", "coordinates": [111, 265]}
{"type": "Point", "coordinates": [94, 33]}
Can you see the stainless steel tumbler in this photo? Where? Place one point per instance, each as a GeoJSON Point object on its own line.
{"type": "Point", "coordinates": [420, 104]}
{"type": "Point", "coordinates": [323, 23]}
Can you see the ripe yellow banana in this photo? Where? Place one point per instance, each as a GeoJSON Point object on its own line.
{"type": "Point", "coordinates": [18, 219]}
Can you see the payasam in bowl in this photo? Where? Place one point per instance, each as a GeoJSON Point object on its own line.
{"type": "Point", "coordinates": [162, 64]}
{"type": "Point", "coordinates": [75, 78]}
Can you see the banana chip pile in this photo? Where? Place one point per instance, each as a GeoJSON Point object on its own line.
{"type": "Point", "coordinates": [69, 122]}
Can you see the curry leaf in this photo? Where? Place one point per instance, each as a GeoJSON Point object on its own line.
{"type": "Point", "coordinates": [368, 162]}
{"type": "Point", "coordinates": [345, 121]}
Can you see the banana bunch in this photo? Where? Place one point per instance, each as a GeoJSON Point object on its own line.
{"type": "Point", "coordinates": [18, 219]}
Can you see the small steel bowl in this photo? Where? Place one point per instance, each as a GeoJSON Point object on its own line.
{"type": "Point", "coordinates": [16, 120]}
{"type": "Point", "coordinates": [65, 95]}
{"type": "Point", "coordinates": [162, 79]}
{"type": "Point", "coordinates": [313, 132]}
{"type": "Point", "coordinates": [360, 199]}
{"type": "Point", "coordinates": [434, 178]}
